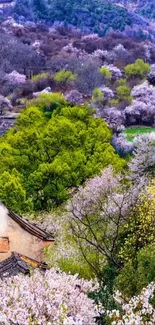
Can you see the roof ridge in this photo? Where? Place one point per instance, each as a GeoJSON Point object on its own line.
{"type": "Point", "coordinates": [31, 227]}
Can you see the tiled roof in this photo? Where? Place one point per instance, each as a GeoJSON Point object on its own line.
{"type": "Point", "coordinates": [30, 227]}
{"type": "Point", "coordinates": [18, 263]}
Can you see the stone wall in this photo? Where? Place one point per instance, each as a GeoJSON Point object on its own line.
{"type": "Point", "coordinates": [22, 242]}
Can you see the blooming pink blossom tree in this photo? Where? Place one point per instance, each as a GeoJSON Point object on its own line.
{"type": "Point", "coordinates": [51, 299]}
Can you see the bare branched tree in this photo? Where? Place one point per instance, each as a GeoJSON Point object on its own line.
{"type": "Point", "coordinates": [98, 212]}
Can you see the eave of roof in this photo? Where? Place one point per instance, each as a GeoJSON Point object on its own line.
{"type": "Point", "coordinates": [33, 229]}
{"type": "Point", "coordinates": [18, 263]}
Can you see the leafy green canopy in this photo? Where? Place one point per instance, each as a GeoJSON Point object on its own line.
{"type": "Point", "coordinates": [44, 156]}
{"type": "Point", "coordinates": [97, 15]}
{"type": "Point", "coordinates": [137, 69]}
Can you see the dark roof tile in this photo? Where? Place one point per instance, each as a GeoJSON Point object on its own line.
{"type": "Point", "coordinates": [18, 263]}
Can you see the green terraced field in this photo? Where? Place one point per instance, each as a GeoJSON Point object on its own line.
{"type": "Point", "coordinates": [134, 131]}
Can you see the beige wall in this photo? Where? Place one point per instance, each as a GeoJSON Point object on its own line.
{"type": "Point", "coordinates": [22, 242]}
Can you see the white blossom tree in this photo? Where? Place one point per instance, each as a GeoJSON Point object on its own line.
{"type": "Point", "coordinates": [97, 213]}
{"type": "Point", "coordinates": [138, 311]}
{"type": "Point", "coordinates": [54, 298]}
{"type": "Point", "coordinates": [143, 161]}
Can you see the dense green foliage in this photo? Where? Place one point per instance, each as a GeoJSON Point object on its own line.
{"type": "Point", "coordinates": [52, 154]}
{"type": "Point", "coordinates": [65, 77]}
{"type": "Point", "coordinates": [97, 16]}
{"type": "Point", "coordinates": [137, 69]}
{"type": "Point", "coordinates": [98, 95]}
{"type": "Point", "coordinates": [105, 72]}
{"type": "Point", "coordinates": [123, 93]}
{"type": "Point", "coordinates": [134, 277]}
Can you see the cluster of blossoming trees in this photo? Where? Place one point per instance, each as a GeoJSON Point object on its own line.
{"type": "Point", "coordinates": [60, 299]}
{"type": "Point", "coordinates": [53, 298]}
{"type": "Point", "coordinates": [109, 225]}
{"type": "Point", "coordinates": [60, 151]}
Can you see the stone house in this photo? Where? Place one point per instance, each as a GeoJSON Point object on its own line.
{"type": "Point", "coordinates": [21, 236]}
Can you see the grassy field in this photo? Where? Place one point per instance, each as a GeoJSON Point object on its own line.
{"type": "Point", "coordinates": [134, 131]}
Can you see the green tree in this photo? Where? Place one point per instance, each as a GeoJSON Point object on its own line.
{"type": "Point", "coordinates": [10, 189]}
{"type": "Point", "coordinates": [47, 103]}
{"type": "Point", "coordinates": [65, 77]}
{"type": "Point", "coordinates": [98, 96]}
{"type": "Point", "coordinates": [137, 69]}
{"type": "Point", "coordinates": [105, 72]}
{"type": "Point", "coordinates": [123, 93]}
{"type": "Point", "coordinates": [40, 8]}
{"type": "Point", "coordinates": [134, 277]}
{"type": "Point", "coordinates": [55, 154]}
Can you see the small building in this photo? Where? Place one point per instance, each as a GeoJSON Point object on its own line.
{"type": "Point", "coordinates": [17, 234]}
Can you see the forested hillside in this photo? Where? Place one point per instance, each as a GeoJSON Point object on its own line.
{"type": "Point", "coordinates": [98, 16]}
{"type": "Point", "coordinates": [77, 158]}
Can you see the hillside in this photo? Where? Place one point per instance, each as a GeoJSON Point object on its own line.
{"type": "Point", "coordinates": [145, 8]}
{"type": "Point", "coordinates": [130, 17]}
{"type": "Point", "coordinates": [135, 5]}
{"type": "Point", "coordinates": [97, 16]}
{"type": "Point", "coordinates": [77, 160]}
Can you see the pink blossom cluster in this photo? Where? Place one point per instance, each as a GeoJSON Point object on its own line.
{"type": "Point", "coordinates": [16, 78]}
{"type": "Point", "coordinates": [107, 92]}
{"type": "Point", "coordinates": [54, 298]}
{"type": "Point", "coordinates": [101, 54]}
{"type": "Point", "coordinates": [143, 156]}
{"type": "Point", "coordinates": [119, 52]}
{"type": "Point", "coordinates": [92, 36]}
{"type": "Point", "coordinates": [104, 195]}
{"type": "Point", "coordinates": [138, 311]}
{"type": "Point", "coordinates": [144, 93]}
{"type": "Point", "coordinates": [70, 49]}
{"type": "Point", "coordinates": [92, 196]}
{"type": "Point", "coordinates": [74, 97]}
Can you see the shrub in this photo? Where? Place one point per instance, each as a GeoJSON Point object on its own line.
{"type": "Point", "coordinates": [40, 76]}
{"type": "Point", "coordinates": [65, 77]}
{"type": "Point", "coordinates": [137, 69]}
{"type": "Point", "coordinates": [98, 95]}
{"type": "Point", "coordinates": [146, 266]}
{"type": "Point", "coordinates": [123, 93]}
{"type": "Point", "coordinates": [49, 102]}
{"type": "Point", "coordinates": [122, 82]}
{"type": "Point", "coordinates": [135, 276]}
{"type": "Point", "coordinates": [105, 72]}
